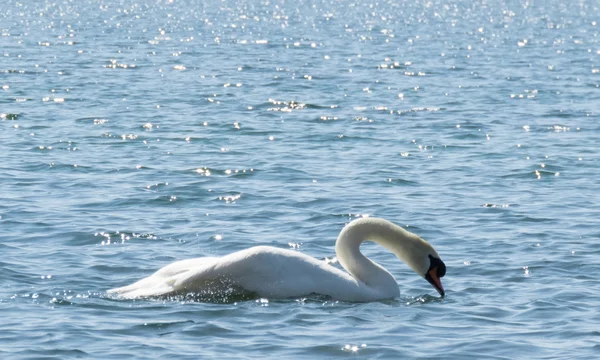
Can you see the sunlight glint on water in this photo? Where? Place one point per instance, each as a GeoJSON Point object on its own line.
{"type": "Point", "coordinates": [136, 134]}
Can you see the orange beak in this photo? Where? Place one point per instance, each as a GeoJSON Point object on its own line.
{"type": "Point", "coordinates": [435, 281]}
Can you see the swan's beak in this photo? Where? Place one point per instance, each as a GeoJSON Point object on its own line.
{"type": "Point", "coordinates": [435, 281]}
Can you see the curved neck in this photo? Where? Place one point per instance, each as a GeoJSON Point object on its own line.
{"type": "Point", "coordinates": [371, 274]}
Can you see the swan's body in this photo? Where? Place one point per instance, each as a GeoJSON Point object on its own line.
{"type": "Point", "coordinates": [280, 273]}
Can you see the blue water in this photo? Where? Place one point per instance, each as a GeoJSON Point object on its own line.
{"type": "Point", "coordinates": [134, 134]}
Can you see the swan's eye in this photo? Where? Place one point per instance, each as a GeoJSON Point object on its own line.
{"type": "Point", "coordinates": [441, 270]}
{"type": "Point", "coordinates": [439, 264]}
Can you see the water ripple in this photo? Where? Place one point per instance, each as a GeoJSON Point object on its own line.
{"type": "Point", "coordinates": [150, 133]}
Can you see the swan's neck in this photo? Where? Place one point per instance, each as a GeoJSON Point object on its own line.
{"type": "Point", "coordinates": [399, 241]}
{"type": "Point", "coordinates": [366, 271]}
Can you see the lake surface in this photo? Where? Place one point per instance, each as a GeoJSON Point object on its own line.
{"type": "Point", "coordinates": [134, 134]}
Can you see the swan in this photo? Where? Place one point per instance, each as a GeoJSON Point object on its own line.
{"type": "Point", "coordinates": [281, 273]}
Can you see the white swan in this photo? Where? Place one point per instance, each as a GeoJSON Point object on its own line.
{"type": "Point", "coordinates": [280, 273]}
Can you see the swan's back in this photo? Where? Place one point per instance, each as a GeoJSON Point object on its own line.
{"type": "Point", "coordinates": [264, 270]}
{"type": "Point", "coordinates": [281, 273]}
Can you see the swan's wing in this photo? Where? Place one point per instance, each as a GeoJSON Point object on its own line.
{"type": "Point", "coordinates": [169, 279]}
{"type": "Point", "coordinates": [283, 273]}
{"type": "Point", "coordinates": [264, 270]}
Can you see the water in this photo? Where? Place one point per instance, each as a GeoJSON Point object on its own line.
{"type": "Point", "coordinates": [135, 134]}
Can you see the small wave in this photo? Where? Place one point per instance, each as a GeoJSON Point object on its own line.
{"type": "Point", "coordinates": [9, 116]}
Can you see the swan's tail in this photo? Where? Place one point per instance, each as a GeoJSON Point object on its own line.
{"type": "Point", "coordinates": [168, 280]}
{"type": "Point", "coordinates": [141, 289]}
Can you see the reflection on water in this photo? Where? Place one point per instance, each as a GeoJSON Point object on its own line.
{"type": "Point", "coordinates": [136, 134]}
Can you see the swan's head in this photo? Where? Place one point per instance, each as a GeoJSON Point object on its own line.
{"type": "Point", "coordinates": [422, 258]}
{"type": "Point", "coordinates": [435, 271]}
